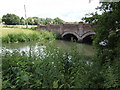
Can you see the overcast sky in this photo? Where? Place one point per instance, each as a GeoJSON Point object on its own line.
{"type": "Point", "coordinates": [68, 10]}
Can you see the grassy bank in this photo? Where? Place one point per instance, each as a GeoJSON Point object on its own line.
{"type": "Point", "coordinates": [10, 35]}
{"type": "Point", "coordinates": [18, 26]}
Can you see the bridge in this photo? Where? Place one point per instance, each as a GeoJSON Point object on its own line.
{"type": "Point", "coordinates": [80, 32]}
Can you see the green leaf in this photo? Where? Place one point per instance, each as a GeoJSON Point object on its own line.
{"type": "Point", "coordinates": [55, 84]}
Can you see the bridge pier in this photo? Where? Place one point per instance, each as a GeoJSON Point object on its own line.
{"type": "Point", "coordinates": [80, 40]}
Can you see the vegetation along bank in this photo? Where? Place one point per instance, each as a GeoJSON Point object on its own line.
{"type": "Point", "coordinates": [15, 35]}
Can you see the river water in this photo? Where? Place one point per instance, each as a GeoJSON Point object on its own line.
{"type": "Point", "coordinates": [86, 49]}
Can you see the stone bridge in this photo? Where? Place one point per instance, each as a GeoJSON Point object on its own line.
{"type": "Point", "coordinates": [80, 32]}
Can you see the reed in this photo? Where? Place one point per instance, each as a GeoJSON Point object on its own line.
{"type": "Point", "coordinates": [10, 35]}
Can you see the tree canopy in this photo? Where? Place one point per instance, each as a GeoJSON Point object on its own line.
{"type": "Point", "coordinates": [107, 43]}
{"type": "Point", "coordinates": [11, 19]}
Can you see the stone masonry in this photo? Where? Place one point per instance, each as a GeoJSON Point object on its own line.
{"type": "Point", "coordinates": [80, 30]}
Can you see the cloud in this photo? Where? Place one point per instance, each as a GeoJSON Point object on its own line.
{"type": "Point", "coordinates": [69, 10]}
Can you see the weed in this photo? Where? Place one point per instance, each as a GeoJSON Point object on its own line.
{"type": "Point", "coordinates": [54, 69]}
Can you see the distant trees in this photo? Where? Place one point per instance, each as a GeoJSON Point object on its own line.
{"type": "Point", "coordinates": [22, 21]}
{"type": "Point", "coordinates": [44, 21]}
{"type": "Point", "coordinates": [57, 21]}
{"type": "Point", "coordinates": [11, 19]}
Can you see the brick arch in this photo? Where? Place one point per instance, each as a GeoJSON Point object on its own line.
{"type": "Point", "coordinates": [87, 34]}
{"type": "Point", "coordinates": [73, 33]}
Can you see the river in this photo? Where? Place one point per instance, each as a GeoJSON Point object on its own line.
{"type": "Point", "coordinates": [85, 49]}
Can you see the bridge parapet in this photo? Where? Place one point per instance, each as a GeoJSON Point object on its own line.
{"type": "Point", "coordinates": [80, 30]}
{"type": "Point", "coordinates": [54, 28]}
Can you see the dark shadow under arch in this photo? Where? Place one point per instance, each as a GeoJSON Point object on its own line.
{"type": "Point", "coordinates": [88, 39]}
{"type": "Point", "coordinates": [70, 37]}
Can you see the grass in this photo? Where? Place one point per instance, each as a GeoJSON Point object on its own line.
{"type": "Point", "coordinates": [19, 26]}
{"type": "Point", "coordinates": [10, 35]}
{"type": "Point", "coordinates": [6, 31]}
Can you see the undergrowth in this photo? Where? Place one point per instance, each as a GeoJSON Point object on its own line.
{"type": "Point", "coordinates": [53, 68]}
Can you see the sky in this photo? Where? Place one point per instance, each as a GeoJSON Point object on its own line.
{"type": "Point", "coordinates": [68, 10]}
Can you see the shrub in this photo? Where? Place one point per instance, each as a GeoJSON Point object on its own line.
{"type": "Point", "coordinates": [52, 68]}
{"type": "Point", "coordinates": [21, 37]}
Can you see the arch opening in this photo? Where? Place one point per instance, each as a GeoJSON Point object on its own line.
{"type": "Point", "coordinates": [88, 39]}
{"type": "Point", "coordinates": [70, 37]}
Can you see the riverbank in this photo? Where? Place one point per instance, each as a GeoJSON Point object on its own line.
{"type": "Point", "coordinates": [43, 66]}
{"type": "Point", "coordinates": [15, 35]}
{"type": "Point", "coordinates": [50, 68]}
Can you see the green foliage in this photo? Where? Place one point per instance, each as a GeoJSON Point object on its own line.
{"type": "Point", "coordinates": [92, 19]}
{"type": "Point", "coordinates": [26, 37]}
{"type": "Point", "coordinates": [57, 21]}
{"type": "Point", "coordinates": [22, 21]}
{"type": "Point", "coordinates": [47, 35]}
{"type": "Point", "coordinates": [21, 37]}
{"type": "Point", "coordinates": [43, 21]}
{"type": "Point", "coordinates": [53, 68]}
{"type": "Point", "coordinates": [30, 21]}
{"type": "Point", "coordinates": [107, 31]}
{"type": "Point", "coordinates": [11, 19]}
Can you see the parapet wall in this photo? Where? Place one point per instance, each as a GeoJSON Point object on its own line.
{"type": "Point", "coordinates": [61, 28]}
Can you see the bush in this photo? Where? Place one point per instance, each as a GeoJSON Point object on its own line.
{"type": "Point", "coordinates": [21, 37]}
{"type": "Point", "coordinates": [53, 68]}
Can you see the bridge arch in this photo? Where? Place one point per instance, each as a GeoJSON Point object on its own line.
{"type": "Point", "coordinates": [70, 35]}
{"type": "Point", "coordinates": [87, 37]}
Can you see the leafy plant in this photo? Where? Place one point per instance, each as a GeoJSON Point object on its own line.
{"type": "Point", "coordinates": [53, 69]}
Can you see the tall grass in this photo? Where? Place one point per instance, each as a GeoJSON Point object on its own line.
{"type": "Point", "coordinates": [10, 35]}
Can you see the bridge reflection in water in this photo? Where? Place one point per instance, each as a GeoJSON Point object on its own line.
{"type": "Point", "coordinates": [79, 32]}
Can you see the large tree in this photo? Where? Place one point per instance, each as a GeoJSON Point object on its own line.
{"type": "Point", "coordinates": [107, 43]}
{"type": "Point", "coordinates": [11, 19]}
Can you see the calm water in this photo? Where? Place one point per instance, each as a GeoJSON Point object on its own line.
{"type": "Point", "coordinates": [85, 49]}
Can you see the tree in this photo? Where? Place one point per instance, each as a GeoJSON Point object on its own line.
{"type": "Point", "coordinates": [36, 20]}
{"type": "Point", "coordinates": [57, 21]}
{"type": "Point", "coordinates": [108, 29]}
{"type": "Point", "coordinates": [0, 20]}
{"type": "Point", "coordinates": [11, 19]}
{"type": "Point", "coordinates": [48, 20]}
{"type": "Point", "coordinates": [30, 21]}
{"type": "Point", "coordinates": [107, 43]}
{"type": "Point", "coordinates": [92, 19]}
{"type": "Point", "coordinates": [22, 21]}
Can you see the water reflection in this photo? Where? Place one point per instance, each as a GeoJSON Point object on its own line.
{"type": "Point", "coordinates": [38, 48]}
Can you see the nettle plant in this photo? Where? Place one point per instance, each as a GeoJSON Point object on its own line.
{"type": "Point", "coordinates": [54, 69]}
